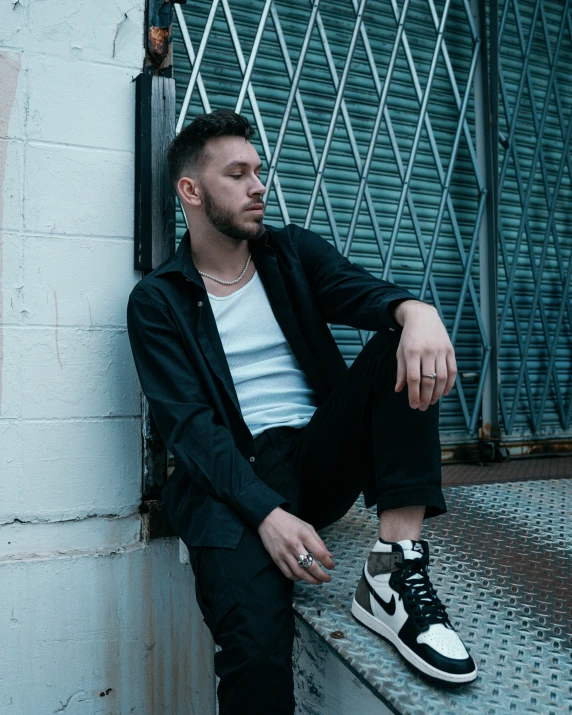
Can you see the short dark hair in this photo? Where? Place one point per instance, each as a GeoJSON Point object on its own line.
{"type": "Point", "coordinates": [186, 149]}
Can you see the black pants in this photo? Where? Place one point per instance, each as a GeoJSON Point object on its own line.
{"type": "Point", "coordinates": [364, 427]}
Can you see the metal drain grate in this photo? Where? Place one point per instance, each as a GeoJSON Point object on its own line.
{"type": "Point", "coordinates": [500, 561]}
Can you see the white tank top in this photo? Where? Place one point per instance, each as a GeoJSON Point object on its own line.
{"type": "Point", "coordinates": [271, 387]}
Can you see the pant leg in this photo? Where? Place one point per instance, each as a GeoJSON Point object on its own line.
{"type": "Point", "coordinates": [364, 433]}
{"type": "Point", "coordinates": [246, 602]}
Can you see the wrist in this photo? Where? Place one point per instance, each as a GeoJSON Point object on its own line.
{"type": "Point", "coordinates": [269, 517]}
{"type": "Point", "coordinates": [407, 307]}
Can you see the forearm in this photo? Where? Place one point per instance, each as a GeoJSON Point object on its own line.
{"type": "Point", "coordinates": [346, 293]}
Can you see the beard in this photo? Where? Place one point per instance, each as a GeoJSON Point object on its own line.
{"type": "Point", "coordinates": [224, 220]}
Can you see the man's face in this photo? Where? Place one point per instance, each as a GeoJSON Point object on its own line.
{"type": "Point", "coordinates": [231, 188]}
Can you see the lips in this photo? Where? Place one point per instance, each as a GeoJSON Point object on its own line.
{"type": "Point", "coordinates": [258, 207]}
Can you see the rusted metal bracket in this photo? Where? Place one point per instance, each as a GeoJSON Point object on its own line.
{"type": "Point", "coordinates": [493, 451]}
{"type": "Point", "coordinates": [158, 59]}
{"type": "Point", "coordinates": [155, 522]}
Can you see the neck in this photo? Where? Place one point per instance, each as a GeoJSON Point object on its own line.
{"type": "Point", "coordinates": [215, 253]}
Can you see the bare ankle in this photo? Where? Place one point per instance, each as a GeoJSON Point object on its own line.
{"type": "Point", "coordinates": [402, 523]}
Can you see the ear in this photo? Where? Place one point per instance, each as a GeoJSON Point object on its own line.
{"type": "Point", "coordinates": [189, 191]}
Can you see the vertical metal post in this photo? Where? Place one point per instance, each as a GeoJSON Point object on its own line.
{"type": "Point", "coordinates": [485, 101]}
{"type": "Point", "coordinates": [493, 46]}
{"type": "Point", "coordinates": [155, 222]}
{"type": "Point", "coordinates": [154, 242]}
{"type": "Point", "coordinates": [154, 197]}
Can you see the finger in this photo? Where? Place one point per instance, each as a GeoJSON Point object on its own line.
{"type": "Point", "coordinates": [427, 384]}
{"type": "Point", "coordinates": [301, 573]}
{"type": "Point", "coordinates": [451, 372]}
{"type": "Point", "coordinates": [311, 544]}
{"type": "Point", "coordinates": [319, 549]}
{"type": "Point", "coordinates": [413, 369]}
{"type": "Point", "coordinates": [317, 572]}
{"type": "Point", "coordinates": [441, 381]}
{"type": "Point", "coordinates": [401, 380]}
{"type": "Point", "coordinates": [287, 571]}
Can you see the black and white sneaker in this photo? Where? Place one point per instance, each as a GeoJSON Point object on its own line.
{"type": "Point", "coordinates": [396, 599]}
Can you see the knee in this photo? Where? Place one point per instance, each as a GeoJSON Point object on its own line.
{"type": "Point", "coordinates": [268, 658]}
{"type": "Point", "coordinates": [386, 339]}
{"type": "Point", "coordinates": [260, 641]}
{"type": "Point", "coordinates": [258, 664]}
{"type": "Point", "coordinates": [268, 647]}
{"type": "Point", "coordinates": [383, 346]}
{"type": "Point", "coordinates": [256, 686]}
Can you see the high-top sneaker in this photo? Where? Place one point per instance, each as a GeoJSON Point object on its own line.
{"type": "Point", "coordinates": [396, 599]}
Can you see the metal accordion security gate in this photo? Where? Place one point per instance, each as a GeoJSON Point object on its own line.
{"type": "Point", "coordinates": [372, 121]}
{"type": "Point", "coordinates": [535, 208]}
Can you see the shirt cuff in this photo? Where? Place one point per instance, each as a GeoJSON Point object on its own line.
{"type": "Point", "coordinates": [391, 306]}
{"type": "Point", "coordinates": [256, 501]}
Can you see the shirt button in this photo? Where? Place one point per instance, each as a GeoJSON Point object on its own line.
{"type": "Point", "coordinates": [392, 330]}
{"type": "Point", "coordinates": [253, 459]}
{"type": "Point", "coordinates": [200, 303]}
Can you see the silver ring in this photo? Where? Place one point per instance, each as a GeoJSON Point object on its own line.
{"type": "Point", "coordinates": [433, 375]}
{"type": "Point", "coordinates": [306, 560]}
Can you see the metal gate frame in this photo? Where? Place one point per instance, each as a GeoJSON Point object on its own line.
{"type": "Point", "coordinates": [524, 233]}
{"type": "Point", "coordinates": [154, 245]}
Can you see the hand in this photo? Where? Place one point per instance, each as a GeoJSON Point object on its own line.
{"type": "Point", "coordinates": [424, 348]}
{"type": "Point", "coordinates": [285, 536]}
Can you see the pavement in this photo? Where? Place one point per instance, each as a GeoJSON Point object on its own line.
{"type": "Point", "coordinates": [515, 470]}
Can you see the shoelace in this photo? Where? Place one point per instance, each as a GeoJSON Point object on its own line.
{"type": "Point", "coordinates": [422, 602]}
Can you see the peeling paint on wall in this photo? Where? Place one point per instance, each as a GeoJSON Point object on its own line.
{"type": "Point", "coordinates": [9, 71]}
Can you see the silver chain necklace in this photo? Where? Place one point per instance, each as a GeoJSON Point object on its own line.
{"type": "Point", "coordinates": [229, 283]}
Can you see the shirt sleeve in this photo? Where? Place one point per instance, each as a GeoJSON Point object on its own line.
{"type": "Point", "coordinates": [346, 293]}
{"type": "Point", "coordinates": [186, 421]}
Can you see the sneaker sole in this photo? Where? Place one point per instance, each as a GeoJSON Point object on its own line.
{"type": "Point", "coordinates": [383, 630]}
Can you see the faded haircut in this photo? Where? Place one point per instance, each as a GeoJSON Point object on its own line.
{"type": "Point", "coordinates": [186, 150]}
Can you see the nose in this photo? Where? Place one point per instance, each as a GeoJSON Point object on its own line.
{"type": "Point", "coordinates": [258, 187]}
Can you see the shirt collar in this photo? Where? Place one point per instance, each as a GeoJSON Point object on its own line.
{"type": "Point", "coordinates": [182, 261]}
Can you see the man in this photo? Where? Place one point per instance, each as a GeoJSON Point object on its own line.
{"type": "Point", "coordinates": [273, 436]}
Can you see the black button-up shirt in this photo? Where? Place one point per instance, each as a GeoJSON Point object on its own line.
{"type": "Point", "coordinates": [214, 490]}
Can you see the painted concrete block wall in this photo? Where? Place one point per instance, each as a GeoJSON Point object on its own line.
{"type": "Point", "coordinates": [85, 605]}
{"type": "Point", "coordinates": [105, 635]}
{"type": "Point", "coordinates": [69, 405]}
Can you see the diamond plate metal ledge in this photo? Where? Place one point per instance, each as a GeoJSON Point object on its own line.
{"type": "Point", "coordinates": [500, 561]}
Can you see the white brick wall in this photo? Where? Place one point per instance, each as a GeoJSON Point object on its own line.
{"type": "Point", "coordinates": [70, 405]}
{"type": "Point", "coordinates": [79, 639]}
{"type": "Point", "coordinates": [92, 619]}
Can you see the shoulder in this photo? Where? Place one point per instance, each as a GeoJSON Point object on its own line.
{"type": "Point", "coordinates": [157, 285]}
{"type": "Point", "coordinates": [285, 236]}
{"type": "Point", "coordinates": [149, 290]}
{"type": "Point", "coordinates": [298, 238]}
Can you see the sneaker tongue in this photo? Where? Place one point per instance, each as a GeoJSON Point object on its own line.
{"type": "Point", "coordinates": [411, 549]}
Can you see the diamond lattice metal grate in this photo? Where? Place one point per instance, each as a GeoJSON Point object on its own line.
{"type": "Point", "coordinates": [365, 119]}
{"type": "Point", "coordinates": [500, 562]}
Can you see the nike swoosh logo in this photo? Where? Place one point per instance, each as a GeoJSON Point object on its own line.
{"type": "Point", "coordinates": [389, 606]}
